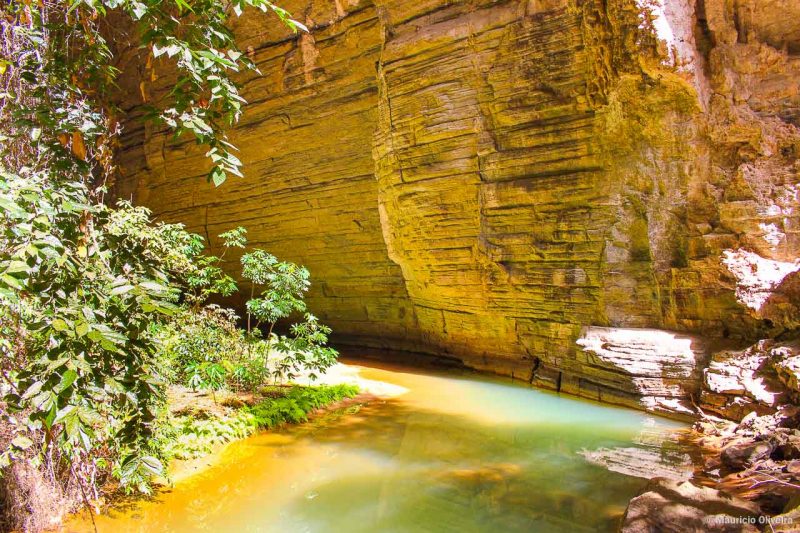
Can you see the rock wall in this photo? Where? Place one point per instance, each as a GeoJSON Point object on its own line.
{"type": "Point", "coordinates": [494, 181]}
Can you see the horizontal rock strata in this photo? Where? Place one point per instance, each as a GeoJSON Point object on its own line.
{"type": "Point", "coordinates": [482, 180]}
{"type": "Point", "coordinates": [658, 369]}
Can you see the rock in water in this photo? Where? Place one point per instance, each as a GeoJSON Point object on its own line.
{"type": "Point", "coordinates": [680, 507]}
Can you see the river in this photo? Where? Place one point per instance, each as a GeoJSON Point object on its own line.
{"type": "Point", "coordinates": [454, 452]}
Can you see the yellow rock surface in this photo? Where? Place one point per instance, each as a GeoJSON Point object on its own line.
{"type": "Point", "coordinates": [481, 180]}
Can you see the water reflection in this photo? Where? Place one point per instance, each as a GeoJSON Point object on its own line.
{"type": "Point", "coordinates": [453, 454]}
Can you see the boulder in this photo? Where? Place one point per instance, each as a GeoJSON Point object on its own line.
{"type": "Point", "coordinates": [788, 521]}
{"type": "Point", "coordinates": [741, 455]}
{"type": "Point", "coordinates": [681, 507]}
{"type": "Point", "coordinates": [789, 449]}
{"type": "Point", "coordinates": [793, 468]}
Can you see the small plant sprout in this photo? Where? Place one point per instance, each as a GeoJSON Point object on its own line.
{"type": "Point", "coordinates": [235, 238]}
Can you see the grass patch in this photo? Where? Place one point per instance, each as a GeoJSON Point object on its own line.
{"type": "Point", "coordinates": [295, 405]}
{"type": "Point", "coordinates": [191, 437]}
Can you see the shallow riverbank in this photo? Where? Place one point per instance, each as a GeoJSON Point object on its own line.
{"type": "Point", "coordinates": [339, 374]}
{"type": "Point", "coordinates": [445, 451]}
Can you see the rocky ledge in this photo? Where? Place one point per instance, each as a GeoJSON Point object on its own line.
{"type": "Point", "coordinates": [748, 436]}
{"type": "Point", "coordinates": [758, 379]}
{"type": "Point", "coordinates": [655, 370]}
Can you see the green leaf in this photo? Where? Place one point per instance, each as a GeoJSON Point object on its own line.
{"type": "Point", "coordinates": [218, 176]}
{"type": "Point", "coordinates": [43, 401]}
{"type": "Point", "coordinates": [59, 325]}
{"type": "Point", "coordinates": [53, 365]}
{"type": "Point", "coordinates": [167, 308]}
{"type": "Point", "coordinates": [12, 209]}
{"type": "Point", "coordinates": [114, 337]}
{"type": "Point", "coordinates": [82, 329]}
{"type": "Point", "coordinates": [12, 282]}
{"type": "Point", "coordinates": [90, 417]}
{"type": "Point", "coordinates": [17, 266]}
{"type": "Point", "coordinates": [153, 465]}
{"type": "Point", "coordinates": [183, 5]}
{"type": "Point", "coordinates": [153, 287]}
{"type": "Point", "coordinates": [81, 364]}
{"type": "Point", "coordinates": [296, 25]}
{"type": "Point", "coordinates": [67, 379]}
{"type": "Point", "coordinates": [122, 289]}
{"type": "Point", "coordinates": [33, 390]}
{"type": "Point", "coordinates": [139, 10]}
{"type": "Point", "coordinates": [64, 413]}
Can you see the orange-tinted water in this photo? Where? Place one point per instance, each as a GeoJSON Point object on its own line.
{"type": "Point", "coordinates": [455, 453]}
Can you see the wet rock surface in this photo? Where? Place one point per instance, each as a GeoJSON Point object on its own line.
{"type": "Point", "coordinates": [741, 455]}
{"type": "Point", "coordinates": [755, 459]}
{"type": "Point", "coordinates": [748, 460]}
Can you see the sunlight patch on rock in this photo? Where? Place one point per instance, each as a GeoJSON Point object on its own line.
{"type": "Point", "coordinates": [756, 276]}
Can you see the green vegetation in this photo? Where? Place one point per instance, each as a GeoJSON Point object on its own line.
{"type": "Point", "coordinates": [192, 437]}
{"type": "Point", "coordinates": [207, 351]}
{"type": "Point", "coordinates": [97, 327]}
{"type": "Point", "coordinates": [295, 405]}
{"type": "Point", "coordinates": [100, 308]}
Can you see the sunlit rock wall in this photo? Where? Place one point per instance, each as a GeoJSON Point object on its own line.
{"type": "Point", "coordinates": [485, 180]}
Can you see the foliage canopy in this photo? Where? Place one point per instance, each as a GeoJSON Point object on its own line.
{"type": "Point", "coordinates": [87, 290]}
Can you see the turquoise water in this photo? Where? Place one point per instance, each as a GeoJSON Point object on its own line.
{"type": "Point", "coordinates": [453, 453]}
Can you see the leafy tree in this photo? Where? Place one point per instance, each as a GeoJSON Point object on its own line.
{"type": "Point", "coordinates": [59, 76]}
{"type": "Point", "coordinates": [82, 286]}
{"type": "Point", "coordinates": [87, 292]}
{"type": "Point", "coordinates": [306, 350]}
{"type": "Point", "coordinates": [282, 284]}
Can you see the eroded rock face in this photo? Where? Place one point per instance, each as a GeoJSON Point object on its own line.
{"type": "Point", "coordinates": [483, 180]}
{"type": "Point", "coordinates": [655, 370]}
{"type": "Point", "coordinates": [758, 379]}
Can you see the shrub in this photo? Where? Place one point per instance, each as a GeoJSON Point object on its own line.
{"type": "Point", "coordinates": [86, 293]}
{"type": "Point", "coordinates": [207, 351]}
{"type": "Point", "coordinates": [84, 288]}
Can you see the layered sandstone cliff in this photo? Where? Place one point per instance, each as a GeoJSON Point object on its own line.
{"type": "Point", "coordinates": [528, 186]}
